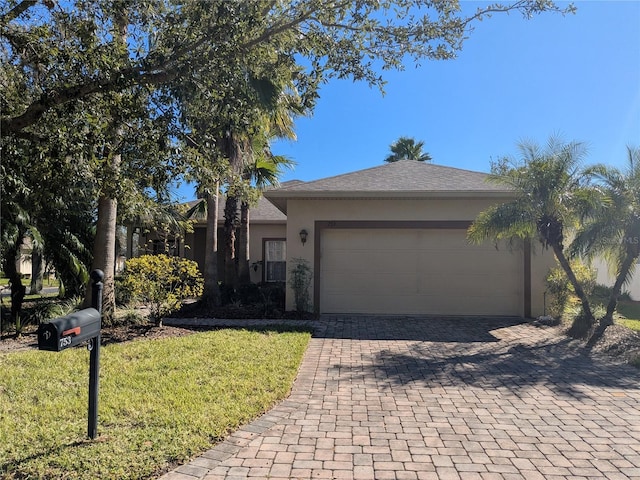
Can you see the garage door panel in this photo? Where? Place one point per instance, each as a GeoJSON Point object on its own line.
{"type": "Point", "coordinates": [356, 238]}
{"type": "Point", "coordinates": [468, 280]}
{"type": "Point", "coordinates": [468, 287]}
{"type": "Point", "coordinates": [407, 271]}
{"type": "Point", "coordinates": [375, 260]}
{"type": "Point", "coordinates": [352, 284]}
{"type": "Point", "coordinates": [427, 305]}
{"type": "Point", "coordinates": [385, 261]}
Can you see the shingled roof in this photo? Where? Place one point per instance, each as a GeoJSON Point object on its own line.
{"type": "Point", "coordinates": [263, 212]}
{"type": "Point", "coordinates": [402, 179]}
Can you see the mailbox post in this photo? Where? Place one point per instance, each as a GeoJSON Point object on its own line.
{"type": "Point", "coordinates": [74, 329]}
{"type": "Point", "coordinates": [94, 357]}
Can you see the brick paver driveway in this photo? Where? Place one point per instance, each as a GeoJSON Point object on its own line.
{"type": "Point", "coordinates": [426, 398]}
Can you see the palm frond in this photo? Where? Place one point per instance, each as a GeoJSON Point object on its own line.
{"type": "Point", "coordinates": [605, 175]}
{"type": "Point", "coordinates": [506, 221]}
{"type": "Point", "coordinates": [198, 211]}
{"type": "Point", "coordinates": [37, 242]}
{"type": "Point", "coordinates": [406, 148]}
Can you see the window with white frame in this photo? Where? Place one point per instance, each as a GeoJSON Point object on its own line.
{"type": "Point", "coordinates": [275, 255]}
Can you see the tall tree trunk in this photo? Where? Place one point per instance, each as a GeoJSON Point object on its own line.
{"type": "Point", "coordinates": [104, 255]}
{"type": "Point", "coordinates": [617, 287]}
{"type": "Point", "coordinates": [234, 152]}
{"type": "Point", "coordinates": [18, 290]}
{"type": "Point", "coordinates": [230, 222]}
{"type": "Point", "coordinates": [244, 275]}
{"type": "Point", "coordinates": [37, 269]}
{"type": "Point", "coordinates": [211, 294]}
{"type": "Point", "coordinates": [104, 248]}
{"type": "Point", "coordinates": [583, 324]}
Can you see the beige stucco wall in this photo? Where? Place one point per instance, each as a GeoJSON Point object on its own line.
{"type": "Point", "coordinates": [257, 234]}
{"type": "Point", "coordinates": [541, 261]}
{"type": "Point", "coordinates": [302, 214]}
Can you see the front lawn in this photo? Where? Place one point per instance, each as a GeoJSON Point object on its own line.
{"type": "Point", "coordinates": [632, 324]}
{"type": "Point", "coordinates": [630, 310]}
{"type": "Point", "coordinates": [161, 402]}
{"type": "Point", "coordinates": [627, 311]}
{"type": "Point", "coordinates": [47, 282]}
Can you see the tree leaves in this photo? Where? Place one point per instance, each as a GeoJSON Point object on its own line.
{"type": "Point", "coordinates": [350, 39]}
{"type": "Point", "coordinates": [406, 148]}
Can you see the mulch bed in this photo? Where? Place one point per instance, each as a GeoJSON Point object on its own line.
{"type": "Point", "coordinates": [619, 342]}
{"type": "Point", "coordinates": [126, 333]}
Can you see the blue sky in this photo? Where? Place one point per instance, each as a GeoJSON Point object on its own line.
{"type": "Point", "coordinates": [515, 79]}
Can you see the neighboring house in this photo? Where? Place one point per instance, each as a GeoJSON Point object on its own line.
{"type": "Point", "coordinates": [23, 262]}
{"type": "Point", "coordinates": [392, 240]}
{"type": "Point", "coordinates": [267, 242]}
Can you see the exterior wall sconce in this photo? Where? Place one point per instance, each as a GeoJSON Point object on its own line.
{"type": "Point", "coordinates": [303, 236]}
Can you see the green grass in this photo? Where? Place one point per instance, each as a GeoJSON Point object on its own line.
{"type": "Point", "coordinates": [4, 281]}
{"type": "Point", "coordinates": [632, 324]}
{"type": "Point", "coordinates": [629, 309]}
{"type": "Point", "coordinates": [161, 402]}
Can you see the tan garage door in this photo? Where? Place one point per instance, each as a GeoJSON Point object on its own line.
{"type": "Point", "coordinates": [417, 271]}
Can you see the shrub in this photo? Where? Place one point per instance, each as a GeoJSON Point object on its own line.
{"type": "Point", "coordinates": [129, 316]}
{"type": "Point", "coordinates": [44, 311]}
{"type": "Point", "coordinates": [162, 282]}
{"type": "Point", "coordinates": [272, 295]}
{"type": "Point", "coordinates": [228, 295]}
{"type": "Point", "coordinates": [560, 290]}
{"type": "Point", "coordinates": [249, 294]}
{"type": "Point", "coordinates": [300, 276]}
{"type": "Point", "coordinates": [602, 293]}
{"type": "Point", "coordinates": [123, 293]}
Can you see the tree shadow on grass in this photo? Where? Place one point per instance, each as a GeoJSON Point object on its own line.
{"type": "Point", "coordinates": [13, 466]}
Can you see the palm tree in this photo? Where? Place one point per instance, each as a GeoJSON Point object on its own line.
{"type": "Point", "coordinates": [263, 172]}
{"type": "Point", "coordinates": [264, 168]}
{"type": "Point", "coordinates": [208, 168]}
{"type": "Point", "coordinates": [548, 187]}
{"type": "Point", "coordinates": [406, 148]}
{"type": "Point", "coordinates": [207, 209]}
{"type": "Point", "coordinates": [278, 105]}
{"type": "Point", "coordinates": [231, 119]}
{"type": "Point", "coordinates": [234, 147]}
{"type": "Point", "coordinates": [611, 226]}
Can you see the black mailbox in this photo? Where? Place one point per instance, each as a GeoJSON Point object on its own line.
{"type": "Point", "coordinates": [70, 330]}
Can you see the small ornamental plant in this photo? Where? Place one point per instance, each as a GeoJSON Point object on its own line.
{"type": "Point", "coordinates": [559, 288]}
{"type": "Point", "coordinates": [162, 282]}
{"type": "Point", "coordinates": [300, 276]}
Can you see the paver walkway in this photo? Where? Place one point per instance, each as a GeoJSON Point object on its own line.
{"type": "Point", "coordinates": [436, 398]}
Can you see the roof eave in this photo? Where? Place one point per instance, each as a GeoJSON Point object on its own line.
{"type": "Point", "coordinates": [279, 198]}
{"type": "Point", "coordinates": [203, 223]}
